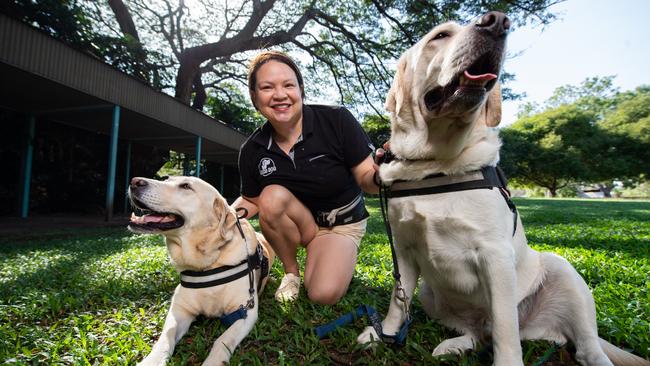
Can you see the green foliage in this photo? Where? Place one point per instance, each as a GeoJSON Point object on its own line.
{"type": "Point", "coordinates": [378, 129]}
{"type": "Point", "coordinates": [100, 296]}
{"type": "Point", "coordinates": [232, 107]}
{"type": "Point", "coordinates": [632, 115]}
{"type": "Point", "coordinates": [596, 95]}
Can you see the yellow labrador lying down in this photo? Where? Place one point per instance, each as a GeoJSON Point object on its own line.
{"type": "Point", "coordinates": [223, 264]}
{"type": "Point", "coordinates": [480, 276]}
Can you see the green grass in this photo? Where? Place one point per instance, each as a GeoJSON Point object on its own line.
{"type": "Point", "coordinates": [95, 297]}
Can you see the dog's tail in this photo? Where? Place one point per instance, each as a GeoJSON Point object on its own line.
{"type": "Point", "coordinates": [620, 357]}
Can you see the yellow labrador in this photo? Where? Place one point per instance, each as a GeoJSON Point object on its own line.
{"type": "Point", "coordinates": [480, 276]}
{"type": "Point", "coordinates": [206, 245]}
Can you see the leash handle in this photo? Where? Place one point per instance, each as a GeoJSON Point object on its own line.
{"type": "Point", "coordinates": [244, 215]}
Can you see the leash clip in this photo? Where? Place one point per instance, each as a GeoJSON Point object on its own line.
{"type": "Point", "coordinates": [400, 294]}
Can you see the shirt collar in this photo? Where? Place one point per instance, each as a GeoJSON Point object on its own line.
{"type": "Point", "coordinates": [265, 136]}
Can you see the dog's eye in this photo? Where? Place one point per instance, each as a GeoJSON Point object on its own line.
{"type": "Point", "coordinates": [185, 186]}
{"type": "Point", "coordinates": [440, 35]}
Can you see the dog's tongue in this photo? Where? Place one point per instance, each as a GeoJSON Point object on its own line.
{"type": "Point", "coordinates": [144, 219]}
{"type": "Point", "coordinates": [482, 77]}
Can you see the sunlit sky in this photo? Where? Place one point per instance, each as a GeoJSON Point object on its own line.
{"type": "Point", "coordinates": [590, 38]}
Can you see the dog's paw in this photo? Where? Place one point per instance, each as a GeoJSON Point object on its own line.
{"type": "Point", "coordinates": [368, 337]}
{"type": "Point", "coordinates": [456, 345]}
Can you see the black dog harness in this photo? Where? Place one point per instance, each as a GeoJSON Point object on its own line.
{"type": "Point", "coordinates": [225, 274]}
{"type": "Point", "coordinates": [488, 177]}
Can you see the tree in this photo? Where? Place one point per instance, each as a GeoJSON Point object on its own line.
{"type": "Point", "coordinates": [592, 133]}
{"type": "Point", "coordinates": [550, 149]}
{"type": "Point", "coordinates": [346, 47]}
{"type": "Point", "coordinates": [629, 122]}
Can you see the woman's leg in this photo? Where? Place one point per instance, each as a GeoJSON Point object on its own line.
{"type": "Point", "coordinates": [331, 258]}
{"type": "Point", "coordinates": [286, 223]}
{"type": "Point", "coordinates": [329, 268]}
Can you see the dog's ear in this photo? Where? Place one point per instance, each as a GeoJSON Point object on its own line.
{"type": "Point", "coordinates": [492, 111]}
{"type": "Point", "coordinates": [400, 89]}
{"type": "Point", "coordinates": [226, 218]}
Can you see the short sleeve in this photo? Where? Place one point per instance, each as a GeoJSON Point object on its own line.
{"type": "Point", "coordinates": [356, 143]}
{"type": "Point", "coordinates": [250, 186]}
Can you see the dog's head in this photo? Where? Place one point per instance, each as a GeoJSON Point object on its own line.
{"type": "Point", "coordinates": [444, 84]}
{"type": "Point", "coordinates": [183, 209]}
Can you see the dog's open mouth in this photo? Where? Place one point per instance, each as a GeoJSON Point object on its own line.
{"type": "Point", "coordinates": [479, 78]}
{"type": "Point", "coordinates": [150, 220]}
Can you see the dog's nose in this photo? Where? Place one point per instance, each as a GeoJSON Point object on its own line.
{"type": "Point", "coordinates": [495, 22]}
{"type": "Point", "coordinates": [138, 182]}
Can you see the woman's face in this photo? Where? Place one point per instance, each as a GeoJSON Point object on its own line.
{"type": "Point", "coordinates": [277, 93]}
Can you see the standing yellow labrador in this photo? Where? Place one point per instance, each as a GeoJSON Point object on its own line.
{"type": "Point", "coordinates": [214, 255]}
{"type": "Point", "coordinates": [480, 276]}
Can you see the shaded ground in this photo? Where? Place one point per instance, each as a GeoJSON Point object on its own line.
{"type": "Point", "coordinates": [12, 227]}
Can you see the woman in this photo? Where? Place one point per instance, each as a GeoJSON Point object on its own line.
{"type": "Point", "coordinates": [303, 171]}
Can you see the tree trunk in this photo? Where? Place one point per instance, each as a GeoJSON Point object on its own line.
{"type": "Point", "coordinates": [199, 92]}
{"type": "Point", "coordinates": [553, 189]}
{"type": "Point", "coordinates": [127, 26]}
{"type": "Point", "coordinates": [607, 190]}
{"type": "Point", "coordinates": [187, 71]}
{"type": "Point", "coordinates": [124, 19]}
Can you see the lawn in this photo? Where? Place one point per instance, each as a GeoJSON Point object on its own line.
{"type": "Point", "coordinates": [99, 296]}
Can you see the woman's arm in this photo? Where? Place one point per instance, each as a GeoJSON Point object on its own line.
{"type": "Point", "coordinates": [364, 174]}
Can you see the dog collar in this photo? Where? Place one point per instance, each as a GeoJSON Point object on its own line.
{"type": "Point", "coordinates": [225, 274]}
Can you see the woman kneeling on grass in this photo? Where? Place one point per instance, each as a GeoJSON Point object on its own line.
{"type": "Point", "coordinates": [303, 171]}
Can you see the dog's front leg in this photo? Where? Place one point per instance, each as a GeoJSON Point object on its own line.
{"type": "Point", "coordinates": [409, 273]}
{"type": "Point", "coordinates": [224, 346]}
{"type": "Point", "coordinates": [177, 323]}
{"type": "Point", "coordinates": [496, 262]}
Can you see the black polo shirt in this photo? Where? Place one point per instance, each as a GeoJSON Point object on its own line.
{"type": "Point", "coordinates": [319, 174]}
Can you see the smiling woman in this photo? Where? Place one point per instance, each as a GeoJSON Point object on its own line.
{"type": "Point", "coordinates": [304, 172]}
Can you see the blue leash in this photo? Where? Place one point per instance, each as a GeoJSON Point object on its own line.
{"type": "Point", "coordinates": [375, 320]}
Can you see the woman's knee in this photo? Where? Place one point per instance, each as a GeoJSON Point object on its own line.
{"type": "Point", "coordinates": [273, 201]}
{"type": "Point", "coordinates": [326, 294]}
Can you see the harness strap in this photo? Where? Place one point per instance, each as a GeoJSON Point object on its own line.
{"type": "Point", "coordinates": [194, 279]}
{"type": "Point", "coordinates": [486, 177]}
{"type": "Point", "coordinates": [229, 319]}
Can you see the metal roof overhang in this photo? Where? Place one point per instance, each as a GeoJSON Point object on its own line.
{"type": "Point", "coordinates": [40, 75]}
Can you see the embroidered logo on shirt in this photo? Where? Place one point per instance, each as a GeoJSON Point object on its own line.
{"type": "Point", "coordinates": [267, 166]}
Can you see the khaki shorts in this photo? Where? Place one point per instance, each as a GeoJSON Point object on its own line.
{"type": "Point", "coordinates": [353, 231]}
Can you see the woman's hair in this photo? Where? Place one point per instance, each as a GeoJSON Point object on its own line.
{"type": "Point", "coordinates": [265, 57]}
